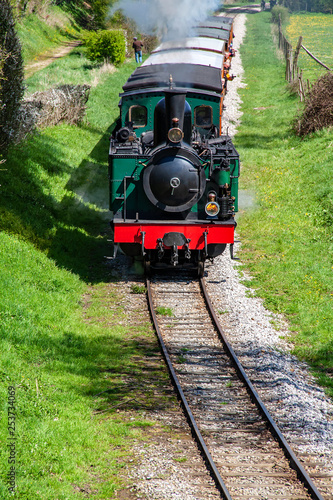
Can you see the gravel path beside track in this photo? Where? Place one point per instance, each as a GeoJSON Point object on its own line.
{"type": "Point", "coordinates": [48, 57]}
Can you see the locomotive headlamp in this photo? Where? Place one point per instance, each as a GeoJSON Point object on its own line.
{"type": "Point", "coordinates": [175, 134]}
{"type": "Point", "coordinates": [212, 208]}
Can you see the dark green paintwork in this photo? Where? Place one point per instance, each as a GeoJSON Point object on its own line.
{"type": "Point", "coordinates": [132, 166]}
{"type": "Point", "coordinates": [150, 100]}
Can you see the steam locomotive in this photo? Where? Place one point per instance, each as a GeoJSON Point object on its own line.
{"type": "Point", "coordinates": [173, 176]}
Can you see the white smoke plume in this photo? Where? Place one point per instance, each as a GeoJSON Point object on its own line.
{"type": "Point", "coordinates": [168, 19]}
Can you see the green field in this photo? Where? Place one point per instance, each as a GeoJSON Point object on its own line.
{"type": "Point", "coordinates": [317, 32]}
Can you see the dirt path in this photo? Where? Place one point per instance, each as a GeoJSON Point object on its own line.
{"type": "Point", "coordinates": [48, 57]}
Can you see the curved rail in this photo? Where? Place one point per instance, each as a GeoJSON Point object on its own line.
{"type": "Point", "coordinates": [290, 455]}
{"type": "Point", "coordinates": [197, 434]}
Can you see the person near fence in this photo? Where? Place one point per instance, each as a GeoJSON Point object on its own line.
{"type": "Point", "coordinates": [137, 46]}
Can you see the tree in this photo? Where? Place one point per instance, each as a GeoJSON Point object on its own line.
{"type": "Point", "coordinates": [100, 10]}
{"type": "Point", "coordinates": [308, 5]}
{"type": "Point", "coordinates": [11, 76]}
{"type": "Point", "coordinates": [91, 14]}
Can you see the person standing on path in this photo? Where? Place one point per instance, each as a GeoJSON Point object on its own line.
{"type": "Point", "coordinates": [137, 46]}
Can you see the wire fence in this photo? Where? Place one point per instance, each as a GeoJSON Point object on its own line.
{"type": "Point", "coordinates": [294, 74]}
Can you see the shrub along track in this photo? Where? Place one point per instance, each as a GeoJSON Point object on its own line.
{"type": "Point", "coordinates": [249, 459]}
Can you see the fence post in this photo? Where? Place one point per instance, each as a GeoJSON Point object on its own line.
{"type": "Point", "coordinates": [301, 86]}
{"type": "Point", "coordinates": [288, 55]}
{"type": "Point", "coordinates": [298, 48]}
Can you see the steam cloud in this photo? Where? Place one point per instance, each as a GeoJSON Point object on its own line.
{"type": "Point", "coordinates": [169, 19]}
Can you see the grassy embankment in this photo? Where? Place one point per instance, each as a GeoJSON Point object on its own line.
{"type": "Point", "coordinates": [66, 346]}
{"type": "Point", "coordinates": [288, 237]}
{"type": "Point", "coordinates": [40, 36]}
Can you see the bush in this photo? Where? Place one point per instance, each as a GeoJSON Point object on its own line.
{"type": "Point", "coordinates": [318, 108]}
{"type": "Point", "coordinates": [11, 76]}
{"type": "Point", "coordinates": [66, 103]}
{"type": "Point", "coordinates": [279, 11]}
{"type": "Point", "coordinates": [107, 45]}
{"type": "Point", "coordinates": [150, 42]}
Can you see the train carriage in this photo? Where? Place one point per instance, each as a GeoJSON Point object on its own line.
{"type": "Point", "coordinates": [173, 175]}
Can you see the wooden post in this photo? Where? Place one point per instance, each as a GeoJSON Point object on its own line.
{"type": "Point", "coordinates": [301, 86]}
{"type": "Point", "coordinates": [288, 67]}
{"type": "Point", "coordinates": [288, 56]}
{"type": "Point", "coordinates": [298, 48]}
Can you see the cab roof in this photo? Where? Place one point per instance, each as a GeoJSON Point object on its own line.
{"type": "Point", "coordinates": [183, 75]}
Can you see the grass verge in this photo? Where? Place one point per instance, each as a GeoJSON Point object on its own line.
{"type": "Point", "coordinates": [67, 346]}
{"type": "Point", "coordinates": [288, 237]}
{"type": "Point", "coordinates": [39, 35]}
{"type": "Point", "coordinates": [74, 69]}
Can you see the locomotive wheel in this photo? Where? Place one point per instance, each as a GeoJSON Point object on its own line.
{"type": "Point", "coordinates": [201, 268]}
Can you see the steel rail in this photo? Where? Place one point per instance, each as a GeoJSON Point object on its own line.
{"type": "Point", "coordinates": [290, 455]}
{"type": "Point", "coordinates": [197, 434]}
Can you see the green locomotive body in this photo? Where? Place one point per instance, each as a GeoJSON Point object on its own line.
{"type": "Point", "coordinates": [173, 176]}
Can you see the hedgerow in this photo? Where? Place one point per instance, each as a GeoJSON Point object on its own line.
{"type": "Point", "coordinates": [105, 45]}
{"type": "Point", "coordinates": [280, 12]}
{"type": "Point", "coordinates": [11, 76]}
{"type": "Point", "coordinates": [318, 108]}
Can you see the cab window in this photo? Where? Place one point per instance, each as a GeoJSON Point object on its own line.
{"type": "Point", "coordinates": [203, 116]}
{"type": "Point", "coordinates": [138, 115]}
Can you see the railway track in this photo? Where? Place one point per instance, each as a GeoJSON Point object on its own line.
{"type": "Point", "coordinates": [241, 444]}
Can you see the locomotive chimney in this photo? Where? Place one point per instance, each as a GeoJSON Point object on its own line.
{"type": "Point", "coordinates": [173, 109]}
